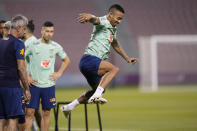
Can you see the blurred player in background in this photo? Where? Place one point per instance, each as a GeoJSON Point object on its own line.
{"type": "Point", "coordinates": [6, 30]}
{"type": "Point", "coordinates": [29, 40]}
{"type": "Point", "coordinates": [13, 69]}
{"type": "Point", "coordinates": [93, 65]}
{"type": "Point", "coordinates": [2, 22]}
{"type": "Point", "coordinates": [43, 54]}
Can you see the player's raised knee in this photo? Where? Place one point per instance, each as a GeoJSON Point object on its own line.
{"type": "Point", "coordinates": [116, 69]}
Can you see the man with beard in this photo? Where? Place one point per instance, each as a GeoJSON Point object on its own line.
{"type": "Point", "coordinates": [43, 54]}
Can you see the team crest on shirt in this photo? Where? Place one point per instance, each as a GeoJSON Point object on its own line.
{"type": "Point", "coordinates": [45, 63]}
{"type": "Point", "coordinates": [22, 52]}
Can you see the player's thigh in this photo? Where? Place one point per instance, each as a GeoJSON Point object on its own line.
{"type": "Point", "coordinates": [11, 102]}
{"type": "Point", "coordinates": [48, 99]}
{"type": "Point", "coordinates": [35, 98]}
{"type": "Point", "coordinates": [105, 67]}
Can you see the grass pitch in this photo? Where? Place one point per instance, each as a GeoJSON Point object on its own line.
{"type": "Point", "coordinates": [128, 109]}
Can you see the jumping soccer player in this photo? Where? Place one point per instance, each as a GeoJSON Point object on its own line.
{"type": "Point", "coordinates": [93, 65]}
{"type": "Point", "coordinates": [43, 54]}
{"type": "Point", "coordinates": [13, 69]}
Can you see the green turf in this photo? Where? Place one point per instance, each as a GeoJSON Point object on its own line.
{"type": "Point", "coordinates": [128, 109]}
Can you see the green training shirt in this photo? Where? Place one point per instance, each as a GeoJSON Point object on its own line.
{"type": "Point", "coordinates": [43, 60]}
{"type": "Point", "coordinates": [28, 43]}
{"type": "Point", "coordinates": [101, 39]}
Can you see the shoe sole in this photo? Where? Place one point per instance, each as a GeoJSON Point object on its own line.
{"type": "Point", "coordinates": [66, 113]}
{"type": "Point", "coordinates": [97, 100]}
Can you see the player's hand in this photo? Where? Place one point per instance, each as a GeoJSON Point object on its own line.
{"type": "Point", "coordinates": [131, 60]}
{"type": "Point", "coordinates": [55, 76]}
{"type": "Point", "coordinates": [31, 81]}
{"type": "Point", "coordinates": [27, 96]}
{"type": "Point", "coordinates": [84, 17]}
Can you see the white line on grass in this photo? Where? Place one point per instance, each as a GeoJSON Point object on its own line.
{"type": "Point", "coordinates": [80, 129]}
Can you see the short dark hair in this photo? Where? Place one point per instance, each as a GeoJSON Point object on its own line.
{"type": "Point", "coordinates": [48, 24]}
{"type": "Point", "coordinates": [117, 7]}
{"type": "Point", "coordinates": [31, 26]}
{"type": "Point", "coordinates": [2, 21]}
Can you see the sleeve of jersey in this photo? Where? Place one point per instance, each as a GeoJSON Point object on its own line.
{"type": "Point", "coordinates": [102, 20]}
{"type": "Point", "coordinates": [20, 50]}
{"type": "Point", "coordinates": [27, 50]}
{"type": "Point", "coordinates": [61, 53]}
{"type": "Point", "coordinates": [115, 35]}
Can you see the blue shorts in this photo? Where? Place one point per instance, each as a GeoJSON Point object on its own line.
{"type": "Point", "coordinates": [89, 66]}
{"type": "Point", "coordinates": [47, 96]}
{"type": "Point", "coordinates": [10, 103]}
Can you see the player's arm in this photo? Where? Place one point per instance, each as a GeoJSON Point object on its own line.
{"type": "Point", "coordinates": [118, 48]}
{"type": "Point", "coordinates": [56, 75]}
{"type": "Point", "coordinates": [23, 77]}
{"type": "Point", "coordinates": [21, 67]}
{"type": "Point", "coordinates": [86, 17]}
{"type": "Point", "coordinates": [31, 81]}
{"type": "Point", "coordinates": [22, 73]}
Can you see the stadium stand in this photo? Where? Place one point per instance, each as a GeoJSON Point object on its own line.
{"type": "Point", "coordinates": [143, 18]}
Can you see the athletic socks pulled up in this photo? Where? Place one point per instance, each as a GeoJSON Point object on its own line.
{"type": "Point", "coordinates": [98, 92]}
{"type": "Point", "coordinates": [73, 104]}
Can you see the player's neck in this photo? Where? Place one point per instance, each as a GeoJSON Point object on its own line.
{"type": "Point", "coordinates": [28, 35]}
{"type": "Point", "coordinates": [108, 18]}
{"type": "Point", "coordinates": [45, 41]}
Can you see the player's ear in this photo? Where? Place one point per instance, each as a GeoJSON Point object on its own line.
{"type": "Point", "coordinates": [110, 13]}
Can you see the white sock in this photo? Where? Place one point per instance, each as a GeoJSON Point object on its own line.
{"type": "Point", "coordinates": [98, 92]}
{"type": "Point", "coordinates": [34, 127]}
{"type": "Point", "coordinates": [73, 104]}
